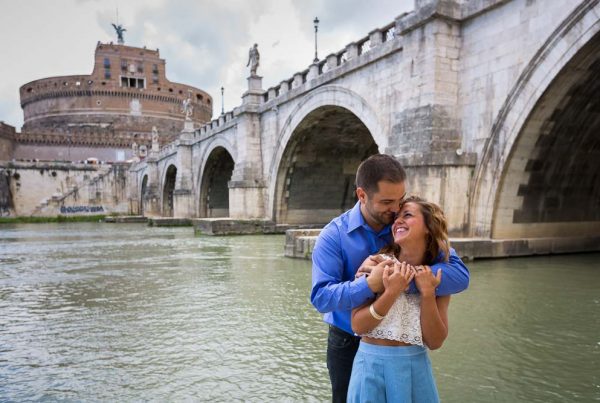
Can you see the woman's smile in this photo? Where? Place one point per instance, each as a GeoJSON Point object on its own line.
{"type": "Point", "coordinates": [409, 222]}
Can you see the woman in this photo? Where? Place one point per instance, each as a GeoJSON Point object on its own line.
{"type": "Point", "coordinates": [392, 363]}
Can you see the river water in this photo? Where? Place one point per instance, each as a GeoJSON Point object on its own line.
{"type": "Point", "coordinates": [125, 312]}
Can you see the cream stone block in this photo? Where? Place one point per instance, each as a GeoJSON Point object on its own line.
{"type": "Point", "coordinates": [246, 202]}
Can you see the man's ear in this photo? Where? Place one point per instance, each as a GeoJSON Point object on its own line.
{"type": "Point", "coordinates": [361, 194]}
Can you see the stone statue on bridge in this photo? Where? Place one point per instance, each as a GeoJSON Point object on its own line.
{"type": "Point", "coordinates": [155, 144]}
{"type": "Point", "coordinates": [187, 108]}
{"type": "Point", "coordinates": [253, 59]}
{"type": "Point", "coordinates": [119, 28]}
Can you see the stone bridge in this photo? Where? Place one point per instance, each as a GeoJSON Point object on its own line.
{"type": "Point", "coordinates": [491, 105]}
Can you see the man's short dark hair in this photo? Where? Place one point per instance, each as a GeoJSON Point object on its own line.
{"type": "Point", "coordinates": [379, 167]}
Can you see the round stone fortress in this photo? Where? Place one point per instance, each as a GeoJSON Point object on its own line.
{"type": "Point", "coordinates": [126, 95]}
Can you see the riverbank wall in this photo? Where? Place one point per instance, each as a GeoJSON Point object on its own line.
{"type": "Point", "coordinates": [300, 244]}
{"type": "Point", "coordinates": [47, 189]}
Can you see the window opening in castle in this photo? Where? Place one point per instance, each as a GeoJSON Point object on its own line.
{"type": "Point", "coordinates": [132, 82]}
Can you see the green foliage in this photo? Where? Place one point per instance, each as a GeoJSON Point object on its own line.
{"type": "Point", "coordinates": [60, 218]}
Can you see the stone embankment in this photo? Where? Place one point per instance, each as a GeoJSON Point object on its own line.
{"type": "Point", "coordinates": [300, 244]}
{"type": "Point", "coordinates": [51, 189]}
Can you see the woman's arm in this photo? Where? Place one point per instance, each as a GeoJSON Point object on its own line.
{"type": "Point", "coordinates": [363, 321]}
{"type": "Point", "coordinates": [434, 320]}
{"type": "Point", "coordinates": [434, 311]}
{"type": "Point", "coordinates": [395, 281]}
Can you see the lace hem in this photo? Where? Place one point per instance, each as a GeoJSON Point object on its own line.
{"type": "Point", "coordinates": [405, 338]}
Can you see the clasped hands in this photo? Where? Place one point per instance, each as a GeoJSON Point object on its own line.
{"type": "Point", "coordinates": [387, 275]}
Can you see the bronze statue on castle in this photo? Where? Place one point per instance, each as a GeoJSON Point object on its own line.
{"type": "Point", "coordinates": [119, 28]}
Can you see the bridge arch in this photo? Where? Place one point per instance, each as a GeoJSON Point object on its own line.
{"type": "Point", "coordinates": [213, 189]}
{"type": "Point", "coordinates": [322, 142]}
{"type": "Point", "coordinates": [528, 180]}
{"type": "Point", "coordinates": [206, 155]}
{"type": "Point", "coordinates": [168, 182]}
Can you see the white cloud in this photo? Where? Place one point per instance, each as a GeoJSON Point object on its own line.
{"type": "Point", "coordinates": [205, 42]}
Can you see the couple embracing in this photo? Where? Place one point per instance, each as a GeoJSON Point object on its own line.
{"type": "Point", "coordinates": [382, 275]}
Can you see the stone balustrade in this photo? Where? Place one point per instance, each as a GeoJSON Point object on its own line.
{"type": "Point", "coordinates": [333, 61]}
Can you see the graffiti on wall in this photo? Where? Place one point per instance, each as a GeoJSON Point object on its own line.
{"type": "Point", "coordinates": [81, 209]}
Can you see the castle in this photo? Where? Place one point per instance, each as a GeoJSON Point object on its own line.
{"type": "Point", "coordinates": [105, 114]}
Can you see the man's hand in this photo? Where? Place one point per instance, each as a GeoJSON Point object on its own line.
{"type": "Point", "coordinates": [369, 263]}
{"type": "Point", "coordinates": [375, 277]}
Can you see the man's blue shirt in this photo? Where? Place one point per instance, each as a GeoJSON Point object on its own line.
{"type": "Point", "coordinates": [339, 251]}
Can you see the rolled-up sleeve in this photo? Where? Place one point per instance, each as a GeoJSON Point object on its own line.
{"type": "Point", "coordinates": [332, 289]}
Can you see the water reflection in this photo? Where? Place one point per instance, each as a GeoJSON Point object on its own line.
{"type": "Point", "coordinates": [128, 312]}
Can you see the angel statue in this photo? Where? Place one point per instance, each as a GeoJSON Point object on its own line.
{"type": "Point", "coordinates": [253, 59]}
{"type": "Point", "coordinates": [119, 28]}
{"type": "Point", "coordinates": [187, 108]}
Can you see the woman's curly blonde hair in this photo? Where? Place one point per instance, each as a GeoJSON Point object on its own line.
{"type": "Point", "coordinates": [437, 238]}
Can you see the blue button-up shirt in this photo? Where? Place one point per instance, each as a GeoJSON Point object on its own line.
{"type": "Point", "coordinates": [339, 251]}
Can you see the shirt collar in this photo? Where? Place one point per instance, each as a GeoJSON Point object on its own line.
{"type": "Point", "coordinates": [356, 220]}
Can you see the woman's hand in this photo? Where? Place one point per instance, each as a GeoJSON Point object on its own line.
{"type": "Point", "coordinates": [397, 277]}
{"type": "Point", "coordinates": [425, 281]}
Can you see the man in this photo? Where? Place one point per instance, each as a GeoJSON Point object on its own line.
{"type": "Point", "coordinates": [341, 248]}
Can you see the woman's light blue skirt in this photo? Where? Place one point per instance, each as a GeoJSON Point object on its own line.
{"type": "Point", "coordinates": [392, 374]}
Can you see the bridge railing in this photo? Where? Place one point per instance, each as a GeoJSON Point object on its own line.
{"type": "Point", "coordinates": [213, 124]}
{"type": "Point", "coordinates": [331, 62]}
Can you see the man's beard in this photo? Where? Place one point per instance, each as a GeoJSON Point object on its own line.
{"type": "Point", "coordinates": [381, 218]}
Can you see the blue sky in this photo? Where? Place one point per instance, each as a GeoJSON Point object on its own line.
{"type": "Point", "coordinates": [205, 42]}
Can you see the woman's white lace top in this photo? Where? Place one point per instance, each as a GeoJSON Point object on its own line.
{"type": "Point", "coordinates": [402, 322]}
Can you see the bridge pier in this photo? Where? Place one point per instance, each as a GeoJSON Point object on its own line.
{"type": "Point", "coordinates": [183, 199]}
{"type": "Point", "coordinates": [246, 199]}
{"type": "Point", "coordinates": [247, 186]}
{"type": "Point", "coordinates": [443, 178]}
{"type": "Point", "coordinates": [151, 194]}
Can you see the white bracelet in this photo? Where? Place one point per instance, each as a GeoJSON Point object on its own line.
{"type": "Point", "coordinates": [375, 314]}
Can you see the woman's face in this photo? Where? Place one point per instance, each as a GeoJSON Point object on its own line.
{"type": "Point", "coordinates": [409, 225]}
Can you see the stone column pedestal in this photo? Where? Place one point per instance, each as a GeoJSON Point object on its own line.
{"type": "Point", "coordinates": [255, 91]}
{"type": "Point", "coordinates": [151, 198]}
{"type": "Point", "coordinates": [188, 127]}
{"type": "Point", "coordinates": [183, 203]}
{"type": "Point", "coordinates": [246, 199]}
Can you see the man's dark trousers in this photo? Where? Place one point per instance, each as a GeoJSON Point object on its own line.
{"type": "Point", "coordinates": [341, 349]}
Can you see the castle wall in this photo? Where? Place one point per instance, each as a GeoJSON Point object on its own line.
{"type": "Point", "coordinates": [7, 135]}
{"type": "Point", "coordinates": [49, 152]}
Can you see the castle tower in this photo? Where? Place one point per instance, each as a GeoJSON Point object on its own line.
{"type": "Point", "coordinates": [125, 96]}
